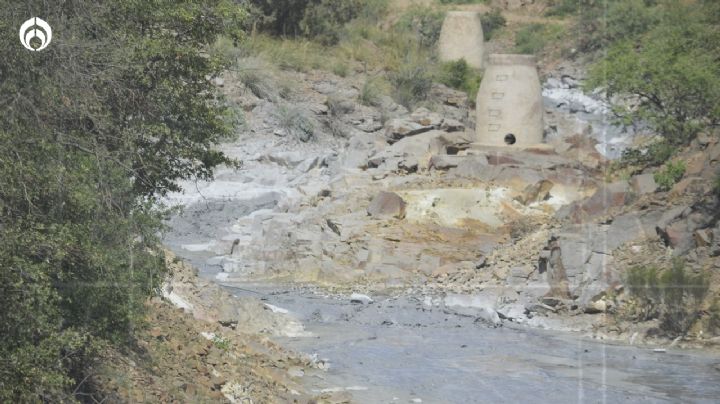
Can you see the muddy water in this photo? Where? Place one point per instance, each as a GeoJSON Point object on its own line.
{"type": "Point", "coordinates": [398, 349]}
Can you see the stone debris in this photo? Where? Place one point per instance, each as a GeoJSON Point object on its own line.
{"type": "Point", "coordinates": [360, 298]}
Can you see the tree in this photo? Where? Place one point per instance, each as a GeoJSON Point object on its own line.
{"type": "Point", "coordinates": [93, 130]}
{"type": "Point", "coordinates": [673, 70]}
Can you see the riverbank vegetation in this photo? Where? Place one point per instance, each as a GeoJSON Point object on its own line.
{"type": "Point", "coordinates": [94, 130]}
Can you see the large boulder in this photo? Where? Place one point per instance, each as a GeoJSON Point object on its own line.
{"type": "Point", "coordinates": [387, 204]}
{"type": "Point", "coordinates": [643, 184]}
{"type": "Point", "coordinates": [552, 264]}
{"type": "Point", "coordinates": [605, 198]}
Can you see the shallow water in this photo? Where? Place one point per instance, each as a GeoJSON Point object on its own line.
{"type": "Point", "coordinates": [398, 349]}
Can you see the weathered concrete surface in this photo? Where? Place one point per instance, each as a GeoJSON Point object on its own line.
{"type": "Point", "coordinates": [462, 37]}
{"type": "Point", "coordinates": [509, 103]}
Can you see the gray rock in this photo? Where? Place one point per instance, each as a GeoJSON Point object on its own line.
{"type": "Point", "coordinates": [445, 162]}
{"type": "Point", "coordinates": [387, 204]}
{"type": "Point", "coordinates": [643, 184]}
{"type": "Point", "coordinates": [360, 298]}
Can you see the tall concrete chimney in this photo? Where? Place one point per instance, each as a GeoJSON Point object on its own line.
{"type": "Point", "coordinates": [509, 102]}
{"type": "Point", "coordinates": [461, 37]}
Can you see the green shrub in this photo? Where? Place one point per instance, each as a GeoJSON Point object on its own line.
{"type": "Point", "coordinates": [424, 22]}
{"type": "Point", "coordinates": [340, 68]}
{"type": "Point", "coordinates": [323, 20]}
{"type": "Point", "coordinates": [655, 154]}
{"type": "Point", "coordinates": [491, 22]}
{"type": "Point", "coordinates": [674, 295]}
{"type": "Point", "coordinates": [459, 75]}
{"type": "Point", "coordinates": [464, 1]}
{"type": "Point", "coordinates": [412, 83]}
{"type": "Point", "coordinates": [257, 77]}
{"type": "Point", "coordinates": [714, 320]}
{"type": "Point", "coordinates": [562, 8]}
{"type": "Point", "coordinates": [295, 123]}
{"type": "Point", "coordinates": [532, 38]}
{"type": "Point", "coordinates": [670, 175]}
{"type": "Point", "coordinates": [372, 91]}
{"type": "Point", "coordinates": [671, 69]}
{"type": "Point", "coordinates": [104, 123]}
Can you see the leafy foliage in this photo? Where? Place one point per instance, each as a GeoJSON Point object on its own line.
{"type": "Point", "coordinates": [94, 129]}
{"type": "Point", "coordinates": [670, 175]}
{"type": "Point", "coordinates": [672, 70]}
{"type": "Point", "coordinates": [322, 20]}
{"type": "Point", "coordinates": [424, 22]}
{"type": "Point", "coordinates": [674, 295]}
{"type": "Point", "coordinates": [412, 83]}
{"type": "Point", "coordinates": [459, 75]}
{"type": "Point", "coordinates": [491, 22]}
{"type": "Point", "coordinates": [532, 38]}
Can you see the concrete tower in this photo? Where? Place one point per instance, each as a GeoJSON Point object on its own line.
{"type": "Point", "coordinates": [509, 103]}
{"type": "Point", "coordinates": [462, 38]}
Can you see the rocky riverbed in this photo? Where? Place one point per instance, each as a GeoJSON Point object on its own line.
{"type": "Point", "coordinates": [407, 348]}
{"type": "Point", "coordinates": [466, 246]}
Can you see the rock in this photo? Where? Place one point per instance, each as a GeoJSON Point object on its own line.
{"type": "Point", "coordinates": [537, 192]}
{"type": "Point", "coordinates": [643, 184]}
{"type": "Point", "coordinates": [290, 159]}
{"type": "Point", "coordinates": [680, 234]}
{"type": "Point", "coordinates": [599, 306]}
{"type": "Point", "coordinates": [336, 227]}
{"type": "Point", "coordinates": [420, 121]}
{"type": "Point", "coordinates": [552, 301]}
{"type": "Point", "coordinates": [606, 197]}
{"type": "Point", "coordinates": [488, 315]}
{"type": "Point", "coordinates": [445, 270]}
{"type": "Point", "coordinates": [703, 237]}
{"type": "Point", "coordinates": [570, 82]}
{"type": "Point", "coordinates": [472, 167]}
{"type": "Point", "coordinates": [425, 117]}
{"type": "Point", "coordinates": [691, 186]}
{"type": "Point", "coordinates": [360, 298]}
{"type": "Point", "coordinates": [513, 312]}
{"type": "Point", "coordinates": [539, 308]}
{"type": "Point", "coordinates": [445, 162]}
{"type": "Point", "coordinates": [398, 128]}
{"type": "Point", "coordinates": [695, 164]}
{"type": "Point", "coordinates": [452, 125]}
{"type": "Point", "coordinates": [555, 269]}
{"type": "Point", "coordinates": [387, 204]}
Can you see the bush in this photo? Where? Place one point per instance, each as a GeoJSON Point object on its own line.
{"type": "Point", "coordinates": [532, 38]}
{"type": "Point", "coordinates": [464, 1]}
{"type": "Point", "coordinates": [424, 22]}
{"type": "Point", "coordinates": [655, 154]}
{"type": "Point", "coordinates": [372, 91]}
{"type": "Point", "coordinates": [674, 295]}
{"type": "Point", "coordinates": [670, 175]}
{"type": "Point", "coordinates": [714, 320]}
{"type": "Point", "coordinates": [459, 75]}
{"type": "Point", "coordinates": [671, 69]}
{"type": "Point", "coordinates": [295, 123]}
{"type": "Point", "coordinates": [322, 20]}
{"type": "Point", "coordinates": [602, 23]}
{"type": "Point", "coordinates": [491, 22]}
{"type": "Point", "coordinates": [412, 83]}
{"type": "Point", "coordinates": [104, 123]}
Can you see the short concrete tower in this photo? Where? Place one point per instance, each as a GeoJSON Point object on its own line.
{"type": "Point", "coordinates": [509, 103]}
{"type": "Point", "coordinates": [461, 37]}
